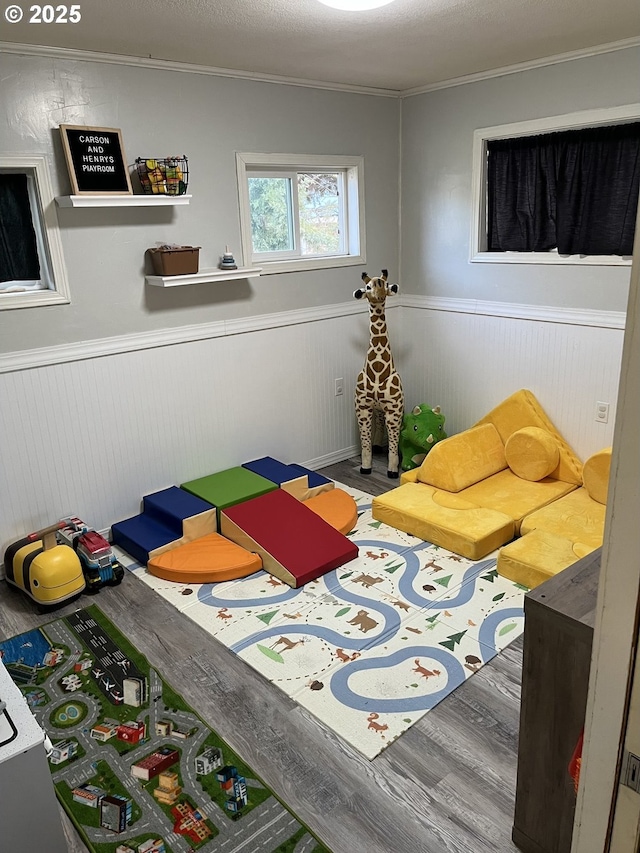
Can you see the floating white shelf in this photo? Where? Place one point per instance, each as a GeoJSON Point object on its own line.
{"type": "Point", "coordinates": [202, 277]}
{"type": "Point", "coordinates": [138, 200]}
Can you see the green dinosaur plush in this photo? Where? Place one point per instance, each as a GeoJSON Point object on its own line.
{"type": "Point", "coordinates": [421, 429]}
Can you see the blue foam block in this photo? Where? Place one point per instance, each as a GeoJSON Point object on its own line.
{"type": "Point", "coordinates": [271, 469]}
{"type": "Point", "coordinates": [172, 506]}
{"type": "Point", "coordinates": [141, 534]}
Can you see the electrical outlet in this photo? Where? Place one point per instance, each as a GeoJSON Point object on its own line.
{"type": "Point", "coordinates": [602, 412]}
{"type": "Point", "coordinates": [339, 387]}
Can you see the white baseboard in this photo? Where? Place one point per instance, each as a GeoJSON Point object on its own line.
{"type": "Point", "coordinates": [332, 458]}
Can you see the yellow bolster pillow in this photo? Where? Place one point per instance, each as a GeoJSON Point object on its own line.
{"type": "Point", "coordinates": [532, 453]}
{"type": "Point", "coordinates": [595, 475]}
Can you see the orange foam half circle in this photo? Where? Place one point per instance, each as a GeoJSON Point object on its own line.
{"type": "Point", "coordinates": [209, 559]}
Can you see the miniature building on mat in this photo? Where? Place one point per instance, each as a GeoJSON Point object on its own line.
{"type": "Point", "coordinates": [154, 764]}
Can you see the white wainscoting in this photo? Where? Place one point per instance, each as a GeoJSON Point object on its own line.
{"type": "Point", "coordinates": [88, 429]}
{"type": "Point", "coordinates": [89, 436]}
{"type": "Point", "coordinates": [467, 357]}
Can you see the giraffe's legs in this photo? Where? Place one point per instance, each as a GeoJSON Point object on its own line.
{"type": "Point", "coordinates": [364, 412]}
{"type": "Point", "coordinates": [379, 439]}
{"type": "Point", "coordinates": [393, 414]}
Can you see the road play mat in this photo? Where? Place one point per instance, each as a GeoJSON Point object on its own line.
{"type": "Point", "coordinates": [368, 648]}
{"type": "Point", "coordinates": [134, 766]}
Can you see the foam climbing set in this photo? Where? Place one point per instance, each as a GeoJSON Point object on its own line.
{"type": "Point", "coordinates": [264, 514]}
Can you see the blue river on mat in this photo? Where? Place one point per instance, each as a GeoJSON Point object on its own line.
{"type": "Point", "coordinates": [29, 649]}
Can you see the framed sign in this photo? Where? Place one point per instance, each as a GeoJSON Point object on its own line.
{"type": "Point", "coordinates": [95, 159]}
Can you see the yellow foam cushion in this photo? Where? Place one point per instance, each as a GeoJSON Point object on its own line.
{"type": "Point", "coordinates": [532, 453]}
{"type": "Point", "coordinates": [409, 476]}
{"type": "Point", "coordinates": [443, 519]}
{"type": "Point", "coordinates": [460, 460]}
{"type": "Point", "coordinates": [208, 559]}
{"type": "Point", "coordinates": [514, 496]}
{"type": "Point", "coordinates": [336, 507]}
{"type": "Point", "coordinates": [523, 410]}
{"type": "Point", "coordinates": [538, 556]}
{"type": "Point", "coordinates": [595, 475]}
{"type": "Point", "coordinates": [575, 516]}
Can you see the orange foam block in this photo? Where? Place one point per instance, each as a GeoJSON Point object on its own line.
{"type": "Point", "coordinates": [336, 507]}
{"type": "Point", "coordinates": [209, 559]}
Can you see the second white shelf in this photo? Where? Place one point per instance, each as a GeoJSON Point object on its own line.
{"type": "Point", "coordinates": [202, 277]}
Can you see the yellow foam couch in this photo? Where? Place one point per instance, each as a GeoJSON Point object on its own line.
{"type": "Point", "coordinates": [559, 534]}
{"type": "Point", "coordinates": [474, 489]}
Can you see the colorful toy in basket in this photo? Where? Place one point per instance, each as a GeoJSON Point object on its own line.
{"type": "Point", "coordinates": [421, 429]}
{"type": "Point", "coordinates": [168, 176]}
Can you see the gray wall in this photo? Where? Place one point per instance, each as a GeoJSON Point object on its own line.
{"type": "Point", "coordinates": [208, 118]}
{"type": "Point", "coordinates": [437, 135]}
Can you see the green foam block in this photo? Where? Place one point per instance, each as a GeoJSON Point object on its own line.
{"type": "Point", "coordinates": [230, 487]}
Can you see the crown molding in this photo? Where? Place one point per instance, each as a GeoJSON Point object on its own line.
{"type": "Point", "coordinates": [505, 70]}
{"type": "Point", "coordinates": [75, 55]}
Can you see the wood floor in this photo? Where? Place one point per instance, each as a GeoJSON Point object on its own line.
{"type": "Point", "coordinates": [445, 786]}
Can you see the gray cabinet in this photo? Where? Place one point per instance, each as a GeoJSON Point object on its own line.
{"type": "Point", "coordinates": [558, 636]}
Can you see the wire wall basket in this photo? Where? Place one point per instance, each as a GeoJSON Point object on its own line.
{"type": "Point", "coordinates": [166, 176]}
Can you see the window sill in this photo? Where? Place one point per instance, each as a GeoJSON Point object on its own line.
{"type": "Point", "coordinates": [549, 258]}
{"type": "Point", "coordinates": [306, 264]}
{"type": "Point", "coordinates": [33, 299]}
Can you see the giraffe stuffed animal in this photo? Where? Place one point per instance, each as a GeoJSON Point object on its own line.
{"type": "Point", "coordinates": [378, 387]}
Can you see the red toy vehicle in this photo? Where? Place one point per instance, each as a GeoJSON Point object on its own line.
{"type": "Point", "coordinates": [99, 563]}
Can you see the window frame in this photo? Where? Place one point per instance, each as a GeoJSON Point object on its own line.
{"type": "Point", "coordinates": [570, 121]}
{"type": "Point", "coordinates": [285, 165]}
{"type": "Point", "coordinates": [48, 238]}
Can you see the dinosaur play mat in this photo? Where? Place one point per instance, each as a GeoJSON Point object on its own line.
{"type": "Point", "coordinates": [368, 648]}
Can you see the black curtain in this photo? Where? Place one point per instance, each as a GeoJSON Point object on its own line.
{"type": "Point", "coordinates": [576, 191]}
{"type": "Point", "coordinates": [18, 250]}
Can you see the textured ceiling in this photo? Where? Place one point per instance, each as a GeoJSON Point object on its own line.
{"type": "Point", "coordinates": [405, 45]}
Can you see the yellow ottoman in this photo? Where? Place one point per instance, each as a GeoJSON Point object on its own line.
{"type": "Point", "coordinates": [444, 519]}
{"type": "Point", "coordinates": [538, 556]}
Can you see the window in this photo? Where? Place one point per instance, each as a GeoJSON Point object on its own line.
{"type": "Point", "coordinates": [301, 213]}
{"type": "Point", "coordinates": [560, 190]}
{"type": "Point", "coordinates": [31, 268]}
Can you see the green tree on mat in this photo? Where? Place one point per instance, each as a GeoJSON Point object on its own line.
{"type": "Point", "coordinates": [452, 641]}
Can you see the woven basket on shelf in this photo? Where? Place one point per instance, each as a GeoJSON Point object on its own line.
{"type": "Point", "coordinates": [166, 176]}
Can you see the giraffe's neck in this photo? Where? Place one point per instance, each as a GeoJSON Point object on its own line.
{"type": "Point", "coordinates": [378, 335]}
